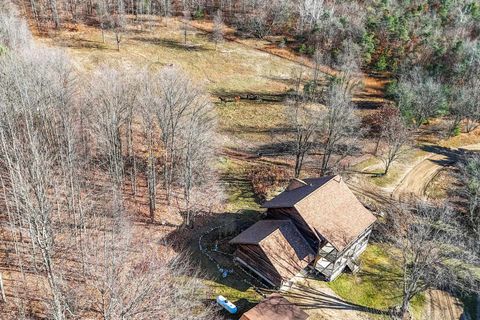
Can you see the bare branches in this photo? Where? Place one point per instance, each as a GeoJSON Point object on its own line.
{"type": "Point", "coordinates": [112, 95]}
{"type": "Point", "coordinates": [197, 151]}
{"type": "Point", "coordinates": [470, 178]}
{"type": "Point", "coordinates": [14, 33]}
{"type": "Point", "coordinates": [341, 126]}
{"type": "Point", "coordinates": [217, 32]}
{"type": "Point", "coordinates": [396, 135]}
{"type": "Point", "coordinates": [306, 119]}
{"type": "Point", "coordinates": [433, 251]}
{"type": "Point", "coordinates": [185, 120]}
{"type": "Point", "coordinates": [37, 103]}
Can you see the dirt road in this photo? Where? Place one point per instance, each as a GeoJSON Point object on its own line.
{"type": "Point", "coordinates": [442, 306]}
{"type": "Point", "coordinates": [418, 178]}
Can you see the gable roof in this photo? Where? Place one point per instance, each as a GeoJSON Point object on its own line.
{"type": "Point", "coordinates": [329, 207]}
{"type": "Point", "coordinates": [284, 246]}
{"type": "Point", "coordinates": [289, 198]}
{"type": "Point", "coordinates": [275, 307]}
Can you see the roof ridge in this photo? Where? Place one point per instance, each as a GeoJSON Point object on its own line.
{"type": "Point", "coordinates": [313, 188]}
{"type": "Point", "coordinates": [320, 187]}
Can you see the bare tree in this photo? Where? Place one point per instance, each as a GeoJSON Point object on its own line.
{"type": "Point", "coordinates": [119, 22]}
{"type": "Point", "coordinates": [396, 136]}
{"type": "Point", "coordinates": [469, 176]}
{"type": "Point", "coordinates": [111, 96]}
{"type": "Point", "coordinates": [177, 94]}
{"type": "Point", "coordinates": [130, 278]}
{"type": "Point", "coordinates": [147, 99]}
{"type": "Point", "coordinates": [54, 12]}
{"type": "Point", "coordinates": [64, 203]}
{"type": "Point", "coordinates": [104, 16]}
{"type": "Point", "coordinates": [306, 119]}
{"type": "Point", "coordinates": [310, 12]}
{"type": "Point", "coordinates": [433, 252]}
{"type": "Point", "coordinates": [341, 126]}
{"type": "Point", "coordinates": [186, 24]}
{"type": "Point", "coordinates": [38, 155]}
{"type": "Point", "coordinates": [14, 33]}
{"type": "Point", "coordinates": [197, 151]}
{"type": "Point", "coordinates": [465, 104]}
{"type": "Point", "coordinates": [375, 122]}
{"type": "Point", "coordinates": [217, 32]}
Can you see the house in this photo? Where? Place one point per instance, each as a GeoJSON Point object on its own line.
{"type": "Point", "coordinates": [275, 307]}
{"type": "Point", "coordinates": [315, 224]}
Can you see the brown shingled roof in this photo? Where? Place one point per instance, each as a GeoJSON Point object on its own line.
{"type": "Point", "coordinates": [275, 307]}
{"type": "Point", "coordinates": [329, 207]}
{"type": "Point", "coordinates": [284, 246]}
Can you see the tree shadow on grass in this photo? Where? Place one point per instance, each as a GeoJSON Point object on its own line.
{"type": "Point", "coordinates": [312, 298]}
{"type": "Point", "coordinates": [367, 104]}
{"type": "Point", "coordinates": [84, 44]}
{"type": "Point", "coordinates": [172, 44]}
{"type": "Point", "coordinates": [253, 96]}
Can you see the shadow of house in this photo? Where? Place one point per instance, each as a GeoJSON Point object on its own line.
{"type": "Point", "coordinates": [227, 225]}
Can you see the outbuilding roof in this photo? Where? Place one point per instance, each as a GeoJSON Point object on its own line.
{"type": "Point", "coordinates": [275, 307]}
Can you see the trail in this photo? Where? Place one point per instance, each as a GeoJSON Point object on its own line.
{"type": "Point", "coordinates": [443, 306]}
{"type": "Point", "coordinates": [419, 177]}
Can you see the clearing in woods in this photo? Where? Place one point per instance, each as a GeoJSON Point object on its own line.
{"type": "Point", "coordinates": [254, 76]}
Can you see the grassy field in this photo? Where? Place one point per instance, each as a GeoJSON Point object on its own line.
{"type": "Point", "coordinates": [232, 68]}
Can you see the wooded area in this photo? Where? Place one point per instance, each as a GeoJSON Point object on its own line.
{"type": "Point", "coordinates": [109, 172]}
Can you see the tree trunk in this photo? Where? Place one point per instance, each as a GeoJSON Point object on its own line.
{"type": "Point", "coordinates": [403, 311]}
{"type": "Point", "coordinates": [387, 167]}
{"type": "Point", "coordinates": [55, 18]}
{"type": "Point", "coordinates": [377, 145]}
{"type": "Point", "coordinates": [298, 165]}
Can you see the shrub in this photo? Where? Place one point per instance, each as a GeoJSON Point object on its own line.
{"type": "Point", "coordinates": [198, 14]}
{"type": "Point", "coordinates": [382, 63]}
{"type": "Point", "coordinates": [368, 45]}
{"type": "Point", "coordinates": [456, 131]}
{"type": "Point", "coordinates": [302, 49]}
{"type": "Point", "coordinates": [310, 50]}
{"type": "Point", "coordinates": [391, 90]}
{"type": "Point", "coordinates": [266, 180]}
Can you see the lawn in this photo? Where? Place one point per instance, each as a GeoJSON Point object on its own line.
{"type": "Point", "coordinates": [377, 284]}
{"type": "Point", "coordinates": [251, 121]}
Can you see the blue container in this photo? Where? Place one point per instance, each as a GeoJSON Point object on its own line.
{"type": "Point", "coordinates": [227, 305]}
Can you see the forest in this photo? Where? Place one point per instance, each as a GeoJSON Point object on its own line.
{"type": "Point", "coordinates": [137, 137]}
